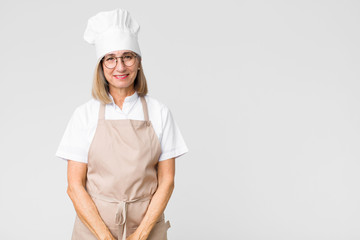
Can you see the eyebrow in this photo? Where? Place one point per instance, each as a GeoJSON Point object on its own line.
{"type": "Point", "coordinates": [113, 54]}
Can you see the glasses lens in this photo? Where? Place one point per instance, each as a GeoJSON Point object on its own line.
{"type": "Point", "coordinates": [129, 59]}
{"type": "Point", "coordinates": [110, 62]}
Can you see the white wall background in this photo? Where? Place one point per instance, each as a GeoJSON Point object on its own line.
{"type": "Point", "coordinates": [266, 94]}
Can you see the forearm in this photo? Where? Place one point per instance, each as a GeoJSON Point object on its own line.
{"type": "Point", "coordinates": [156, 208]}
{"type": "Point", "coordinates": [88, 213]}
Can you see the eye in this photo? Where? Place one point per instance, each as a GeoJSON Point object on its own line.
{"type": "Point", "coordinates": [128, 57]}
{"type": "Point", "coordinates": [110, 59]}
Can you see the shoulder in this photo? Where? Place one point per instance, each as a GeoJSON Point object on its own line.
{"type": "Point", "coordinates": [159, 112]}
{"type": "Point", "coordinates": [155, 105]}
{"type": "Point", "coordinates": [86, 112]}
{"type": "Point", "coordinates": [89, 106]}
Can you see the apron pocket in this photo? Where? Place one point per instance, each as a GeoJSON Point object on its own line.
{"type": "Point", "coordinates": [159, 232]}
{"type": "Point", "coordinates": [81, 231]}
{"type": "Point", "coordinates": [161, 218]}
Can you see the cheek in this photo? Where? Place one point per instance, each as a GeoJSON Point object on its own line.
{"type": "Point", "coordinates": [107, 74]}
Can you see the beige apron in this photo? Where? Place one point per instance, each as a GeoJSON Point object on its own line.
{"type": "Point", "coordinates": [122, 176]}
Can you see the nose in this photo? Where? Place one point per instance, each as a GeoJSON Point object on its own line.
{"type": "Point", "coordinates": [120, 66]}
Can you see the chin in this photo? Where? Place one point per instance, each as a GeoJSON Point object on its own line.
{"type": "Point", "coordinates": [121, 85]}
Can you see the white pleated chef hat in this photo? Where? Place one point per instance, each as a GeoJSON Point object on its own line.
{"type": "Point", "coordinates": [111, 31]}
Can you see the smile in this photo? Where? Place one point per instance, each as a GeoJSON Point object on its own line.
{"type": "Point", "coordinates": [121, 76]}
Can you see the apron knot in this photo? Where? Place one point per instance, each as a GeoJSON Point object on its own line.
{"type": "Point", "coordinates": [120, 218]}
{"type": "Point", "coordinates": [121, 212]}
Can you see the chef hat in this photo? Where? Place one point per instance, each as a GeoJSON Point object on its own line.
{"type": "Point", "coordinates": [111, 31]}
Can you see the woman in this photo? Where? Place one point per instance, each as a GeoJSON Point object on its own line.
{"type": "Point", "coordinates": [122, 144]}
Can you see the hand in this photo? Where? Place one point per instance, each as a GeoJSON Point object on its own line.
{"type": "Point", "coordinates": [134, 236]}
{"type": "Point", "coordinates": [109, 236]}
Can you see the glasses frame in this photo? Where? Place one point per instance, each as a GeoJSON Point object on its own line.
{"type": "Point", "coordinates": [122, 60]}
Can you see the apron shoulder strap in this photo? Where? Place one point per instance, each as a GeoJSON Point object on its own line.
{"type": "Point", "coordinates": [145, 109]}
{"type": "Point", "coordinates": [102, 111]}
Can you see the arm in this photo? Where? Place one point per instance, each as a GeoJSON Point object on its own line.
{"type": "Point", "coordinates": [166, 173]}
{"type": "Point", "coordinates": [83, 204]}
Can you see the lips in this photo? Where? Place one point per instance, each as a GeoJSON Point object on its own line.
{"type": "Point", "coordinates": [121, 76]}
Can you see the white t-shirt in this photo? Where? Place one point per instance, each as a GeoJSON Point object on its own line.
{"type": "Point", "coordinates": [81, 128]}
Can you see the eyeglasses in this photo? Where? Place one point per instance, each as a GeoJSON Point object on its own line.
{"type": "Point", "coordinates": [128, 59]}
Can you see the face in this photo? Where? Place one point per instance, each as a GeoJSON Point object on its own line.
{"type": "Point", "coordinates": [121, 76]}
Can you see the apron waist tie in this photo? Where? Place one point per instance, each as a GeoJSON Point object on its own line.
{"type": "Point", "coordinates": [120, 217]}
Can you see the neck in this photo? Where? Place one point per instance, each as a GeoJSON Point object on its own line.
{"type": "Point", "coordinates": [119, 94]}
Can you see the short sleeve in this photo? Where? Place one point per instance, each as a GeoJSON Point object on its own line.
{"type": "Point", "coordinates": [74, 143]}
{"type": "Point", "coordinates": [172, 142]}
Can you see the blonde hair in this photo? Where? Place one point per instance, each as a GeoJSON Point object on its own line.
{"type": "Point", "coordinates": [100, 88]}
